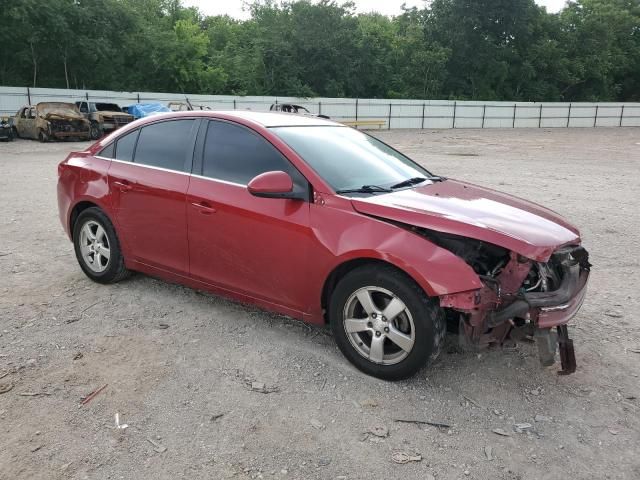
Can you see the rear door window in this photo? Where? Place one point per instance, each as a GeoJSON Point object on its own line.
{"type": "Point", "coordinates": [167, 145]}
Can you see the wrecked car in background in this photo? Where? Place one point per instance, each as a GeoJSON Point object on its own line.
{"type": "Point", "coordinates": [186, 106]}
{"type": "Point", "coordinates": [7, 131]}
{"type": "Point", "coordinates": [104, 117]}
{"type": "Point", "coordinates": [292, 108]}
{"type": "Point", "coordinates": [51, 120]}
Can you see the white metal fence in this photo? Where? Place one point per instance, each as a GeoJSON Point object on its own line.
{"type": "Point", "coordinates": [395, 113]}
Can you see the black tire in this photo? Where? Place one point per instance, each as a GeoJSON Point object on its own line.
{"type": "Point", "coordinates": [429, 323]}
{"type": "Point", "coordinates": [115, 270]}
{"type": "Point", "coordinates": [42, 136]}
{"type": "Point", "coordinates": [95, 132]}
{"type": "Point", "coordinates": [15, 132]}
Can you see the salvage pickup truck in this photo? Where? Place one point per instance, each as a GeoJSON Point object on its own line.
{"type": "Point", "coordinates": [104, 117]}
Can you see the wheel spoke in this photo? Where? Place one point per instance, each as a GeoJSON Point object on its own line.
{"type": "Point", "coordinates": [364, 297]}
{"type": "Point", "coordinates": [87, 231]}
{"type": "Point", "coordinates": [96, 260]}
{"type": "Point", "coordinates": [100, 234]}
{"type": "Point", "coordinates": [352, 325]}
{"type": "Point", "coordinates": [376, 352]}
{"type": "Point", "coordinates": [395, 307]}
{"type": "Point", "coordinates": [404, 341]}
{"type": "Point", "coordinates": [105, 252]}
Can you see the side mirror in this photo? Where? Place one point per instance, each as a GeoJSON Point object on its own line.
{"type": "Point", "coordinates": [276, 184]}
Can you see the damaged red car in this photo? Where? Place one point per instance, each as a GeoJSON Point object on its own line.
{"type": "Point", "coordinates": [321, 222]}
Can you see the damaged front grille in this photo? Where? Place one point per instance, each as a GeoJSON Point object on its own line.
{"type": "Point", "coordinates": [117, 120]}
{"type": "Point", "coordinates": [64, 126]}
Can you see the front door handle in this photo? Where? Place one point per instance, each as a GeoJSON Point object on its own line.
{"type": "Point", "coordinates": [204, 207]}
{"type": "Point", "coordinates": [123, 186]}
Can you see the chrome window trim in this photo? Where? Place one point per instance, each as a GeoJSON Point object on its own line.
{"type": "Point", "coordinates": [148, 166]}
{"type": "Point", "coordinates": [174, 171]}
{"type": "Point", "coordinates": [226, 182]}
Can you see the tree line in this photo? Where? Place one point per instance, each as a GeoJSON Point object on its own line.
{"type": "Point", "coordinates": [449, 49]}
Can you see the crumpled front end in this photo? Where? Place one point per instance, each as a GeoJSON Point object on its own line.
{"type": "Point", "coordinates": [520, 297]}
{"type": "Point", "coordinates": [61, 126]}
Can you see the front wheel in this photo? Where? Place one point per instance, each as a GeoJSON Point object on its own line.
{"type": "Point", "coordinates": [97, 247]}
{"type": "Point", "coordinates": [42, 136]}
{"type": "Point", "coordinates": [384, 323]}
{"type": "Point", "coordinates": [95, 132]}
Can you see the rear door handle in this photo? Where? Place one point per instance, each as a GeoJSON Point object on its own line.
{"type": "Point", "coordinates": [123, 186]}
{"type": "Point", "coordinates": [204, 207]}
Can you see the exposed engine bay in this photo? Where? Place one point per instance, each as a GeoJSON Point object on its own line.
{"type": "Point", "coordinates": [520, 298]}
{"type": "Point", "coordinates": [60, 125]}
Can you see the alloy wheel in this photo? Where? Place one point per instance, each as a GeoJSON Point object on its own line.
{"type": "Point", "coordinates": [379, 325]}
{"type": "Point", "coordinates": [94, 246]}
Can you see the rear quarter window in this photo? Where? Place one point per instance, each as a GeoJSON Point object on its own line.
{"type": "Point", "coordinates": [125, 146]}
{"type": "Point", "coordinates": [107, 152]}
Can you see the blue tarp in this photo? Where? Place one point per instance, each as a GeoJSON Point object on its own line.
{"type": "Point", "coordinates": [140, 110]}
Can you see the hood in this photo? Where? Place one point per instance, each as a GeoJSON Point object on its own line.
{"type": "Point", "coordinates": [113, 113]}
{"type": "Point", "coordinates": [58, 110]}
{"type": "Point", "coordinates": [471, 211]}
{"type": "Point", "coordinates": [66, 116]}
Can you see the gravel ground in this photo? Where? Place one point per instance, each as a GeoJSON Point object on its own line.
{"type": "Point", "coordinates": [179, 364]}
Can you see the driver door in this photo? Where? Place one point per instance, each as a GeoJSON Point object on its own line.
{"type": "Point", "coordinates": [254, 246]}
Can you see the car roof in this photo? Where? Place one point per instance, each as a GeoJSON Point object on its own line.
{"type": "Point", "coordinates": [277, 119]}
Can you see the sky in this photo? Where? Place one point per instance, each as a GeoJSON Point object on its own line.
{"type": "Point", "coordinates": [234, 9]}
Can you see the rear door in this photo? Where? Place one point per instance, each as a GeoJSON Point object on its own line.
{"type": "Point", "coordinates": [251, 245]}
{"type": "Point", "coordinates": [148, 180]}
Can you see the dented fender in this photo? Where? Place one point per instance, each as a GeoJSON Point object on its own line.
{"type": "Point", "coordinates": [435, 269]}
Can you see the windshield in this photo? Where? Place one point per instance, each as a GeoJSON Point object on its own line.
{"type": "Point", "coordinates": [107, 107]}
{"type": "Point", "coordinates": [349, 159]}
{"type": "Point", "coordinates": [64, 109]}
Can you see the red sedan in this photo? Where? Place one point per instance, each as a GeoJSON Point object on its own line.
{"type": "Point", "coordinates": [324, 223]}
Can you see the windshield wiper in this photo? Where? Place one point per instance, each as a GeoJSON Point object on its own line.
{"type": "Point", "coordinates": [415, 180]}
{"type": "Point", "coordinates": [409, 182]}
{"type": "Point", "coordinates": [365, 189]}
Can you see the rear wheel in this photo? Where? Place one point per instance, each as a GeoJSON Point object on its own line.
{"type": "Point", "coordinates": [384, 323]}
{"type": "Point", "coordinates": [97, 247]}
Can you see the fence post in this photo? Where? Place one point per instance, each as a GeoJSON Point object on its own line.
{"type": "Point", "coordinates": [422, 125]}
{"type": "Point", "coordinates": [234, 103]}
{"type": "Point", "coordinates": [319, 108]}
{"type": "Point", "coordinates": [484, 111]}
{"type": "Point", "coordinates": [356, 111]}
{"type": "Point", "coordinates": [515, 107]}
{"type": "Point", "coordinates": [595, 120]}
{"type": "Point", "coordinates": [569, 115]}
{"type": "Point", "coordinates": [29, 96]}
{"type": "Point", "coordinates": [455, 105]}
{"type": "Point", "coordinates": [621, 115]}
{"type": "Point", "coordinates": [86, 95]}
{"type": "Point", "coordinates": [389, 117]}
{"type": "Point", "coordinates": [138, 97]}
{"type": "Point", "coordinates": [540, 117]}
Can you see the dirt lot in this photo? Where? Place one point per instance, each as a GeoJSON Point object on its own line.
{"type": "Point", "coordinates": [179, 364]}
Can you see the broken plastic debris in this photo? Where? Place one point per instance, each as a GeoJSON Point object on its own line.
{"type": "Point", "coordinates": [118, 425]}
